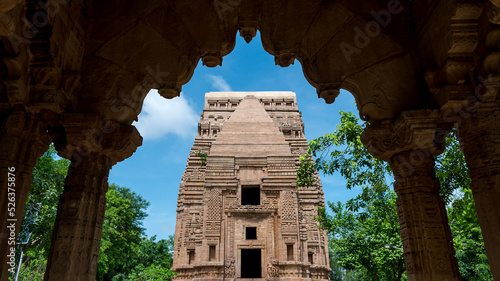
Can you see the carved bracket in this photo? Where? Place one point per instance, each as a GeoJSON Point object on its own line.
{"type": "Point", "coordinates": [412, 130]}
{"type": "Point", "coordinates": [88, 133]}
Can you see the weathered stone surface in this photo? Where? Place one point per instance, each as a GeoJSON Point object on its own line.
{"type": "Point", "coordinates": [93, 146]}
{"type": "Point", "coordinates": [22, 141]}
{"type": "Point", "coordinates": [480, 138]}
{"type": "Point", "coordinates": [99, 58]}
{"type": "Point", "coordinates": [251, 139]}
{"type": "Point", "coordinates": [409, 145]}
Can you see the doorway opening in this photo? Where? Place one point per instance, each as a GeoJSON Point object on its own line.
{"type": "Point", "coordinates": [250, 195]}
{"type": "Point", "coordinates": [251, 263]}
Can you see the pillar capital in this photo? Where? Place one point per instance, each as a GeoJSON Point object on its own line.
{"type": "Point", "coordinates": [411, 131]}
{"type": "Point", "coordinates": [409, 145]}
{"type": "Point", "coordinates": [88, 133]}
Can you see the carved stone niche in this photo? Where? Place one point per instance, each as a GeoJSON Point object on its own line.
{"type": "Point", "coordinates": [290, 240]}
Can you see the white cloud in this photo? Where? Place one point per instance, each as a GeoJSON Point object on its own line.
{"type": "Point", "coordinates": [219, 83]}
{"type": "Point", "coordinates": [161, 116]}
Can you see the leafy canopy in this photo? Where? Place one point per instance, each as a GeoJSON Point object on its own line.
{"type": "Point", "coordinates": [360, 228]}
{"type": "Point", "coordinates": [125, 253]}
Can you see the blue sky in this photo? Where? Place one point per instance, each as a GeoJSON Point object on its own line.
{"type": "Point", "coordinates": [169, 127]}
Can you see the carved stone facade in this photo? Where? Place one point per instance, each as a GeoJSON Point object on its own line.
{"type": "Point", "coordinates": [72, 72]}
{"type": "Point", "coordinates": [242, 197]}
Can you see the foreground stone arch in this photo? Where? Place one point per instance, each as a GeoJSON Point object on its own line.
{"type": "Point", "coordinates": [76, 73]}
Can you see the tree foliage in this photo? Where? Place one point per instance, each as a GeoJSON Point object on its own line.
{"type": "Point", "coordinates": [360, 228]}
{"type": "Point", "coordinates": [122, 231]}
{"type": "Point", "coordinates": [40, 214]}
{"type": "Point", "coordinates": [125, 253]}
{"type": "Point", "coordinates": [453, 174]}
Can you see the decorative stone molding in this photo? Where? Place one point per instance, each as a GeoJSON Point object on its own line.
{"type": "Point", "coordinates": [93, 145]}
{"type": "Point", "coordinates": [211, 58]}
{"type": "Point", "coordinates": [409, 145]}
{"type": "Point", "coordinates": [479, 136]}
{"type": "Point", "coordinates": [412, 130]}
{"type": "Point", "coordinates": [248, 30]}
{"type": "Point", "coordinates": [88, 133]}
{"type": "Point", "coordinates": [328, 94]}
{"type": "Point", "coordinates": [284, 58]}
{"type": "Point", "coordinates": [210, 210]}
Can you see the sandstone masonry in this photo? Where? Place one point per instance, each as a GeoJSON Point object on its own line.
{"type": "Point", "coordinates": [239, 213]}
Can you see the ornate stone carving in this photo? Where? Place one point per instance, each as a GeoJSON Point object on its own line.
{"type": "Point", "coordinates": [248, 30]}
{"type": "Point", "coordinates": [284, 58]}
{"type": "Point", "coordinates": [56, 41]}
{"type": "Point", "coordinates": [211, 58]}
{"type": "Point", "coordinates": [328, 94]}
{"type": "Point", "coordinates": [289, 212]}
{"type": "Point", "coordinates": [214, 203]}
{"type": "Point", "coordinates": [218, 186]}
{"type": "Point", "coordinates": [273, 269]}
{"type": "Point", "coordinates": [230, 268]}
{"type": "Point", "coordinates": [412, 130]}
{"type": "Point", "coordinates": [479, 136]}
{"type": "Point", "coordinates": [426, 236]}
{"type": "Point", "coordinates": [88, 133]}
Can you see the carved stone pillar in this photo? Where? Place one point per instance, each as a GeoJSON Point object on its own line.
{"type": "Point", "coordinates": [479, 136]}
{"type": "Point", "coordinates": [409, 145]}
{"type": "Point", "coordinates": [93, 146]}
{"type": "Point", "coordinates": [23, 139]}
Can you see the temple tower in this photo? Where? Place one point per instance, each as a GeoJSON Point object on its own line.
{"type": "Point", "coordinates": [239, 213]}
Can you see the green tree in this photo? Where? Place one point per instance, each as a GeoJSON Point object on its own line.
{"type": "Point", "coordinates": [361, 226]}
{"type": "Point", "coordinates": [125, 254]}
{"type": "Point", "coordinates": [157, 252]}
{"type": "Point", "coordinates": [151, 273]}
{"type": "Point", "coordinates": [122, 232]}
{"type": "Point", "coordinates": [152, 262]}
{"type": "Point", "coordinates": [40, 214]}
{"type": "Point", "coordinates": [453, 174]}
{"type": "Point", "coordinates": [358, 239]}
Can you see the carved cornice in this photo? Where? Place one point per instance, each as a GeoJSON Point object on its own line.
{"type": "Point", "coordinates": [412, 130]}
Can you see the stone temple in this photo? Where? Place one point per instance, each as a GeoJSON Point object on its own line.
{"type": "Point", "coordinates": [75, 73]}
{"type": "Point", "coordinates": [240, 215]}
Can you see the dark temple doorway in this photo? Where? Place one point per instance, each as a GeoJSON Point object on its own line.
{"type": "Point", "coordinates": [250, 263]}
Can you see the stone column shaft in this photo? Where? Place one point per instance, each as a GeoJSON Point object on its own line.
{"type": "Point", "coordinates": [77, 233]}
{"type": "Point", "coordinates": [480, 138]}
{"type": "Point", "coordinates": [423, 222]}
{"type": "Point", "coordinates": [409, 145]}
{"type": "Point", "coordinates": [24, 139]}
{"type": "Point", "coordinates": [94, 146]}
